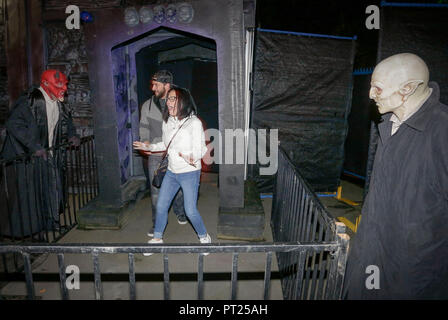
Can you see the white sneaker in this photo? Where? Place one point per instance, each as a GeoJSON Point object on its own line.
{"type": "Point", "coordinates": [206, 239]}
{"type": "Point", "coordinates": [153, 241]}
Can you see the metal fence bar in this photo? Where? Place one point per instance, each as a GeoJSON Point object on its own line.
{"type": "Point", "coordinates": [96, 173]}
{"type": "Point", "coordinates": [315, 280]}
{"type": "Point", "coordinates": [297, 200]}
{"type": "Point", "coordinates": [301, 211]}
{"type": "Point", "coordinates": [78, 178]}
{"type": "Point", "coordinates": [342, 259]}
{"type": "Point", "coordinates": [308, 222]}
{"type": "Point", "coordinates": [19, 207]}
{"type": "Point", "coordinates": [27, 192]}
{"type": "Point", "coordinates": [200, 276]}
{"type": "Point", "coordinates": [62, 277]}
{"type": "Point", "coordinates": [132, 289]}
{"type": "Point", "coordinates": [47, 197]}
{"type": "Point", "coordinates": [68, 248]}
{"type": "Point", "coordinates": [8, 208]}
{"type": "Point", "coordinates": [90, 168]}
{"type": "Point", "coordinates": [234, 276]}
{"type": "Point", "coordinates": [28, 276]}
{"type": "Point", "coordinates": [40, 204]}
{"type": "Point", "coordinates": [67, 209]}
{"type": "Point", "coordinates": [327, 236]}
{"type": "Point", "coordinates": [166, 278]}
{"type": "Point", "coordinates": [84, 170]}
{"type": "Point", "coordinates": [267, 275]}
{"type": "Point", "coordinates": [299, 275]}
{"type": "Point", "coordinates": [97, 274]}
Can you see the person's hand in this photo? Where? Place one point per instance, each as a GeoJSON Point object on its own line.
{"type": "Point", "coordinates": [138, 145]}
{"type": "Point", "coordinates": [41, 153]}
{"type": "Point", "coordinates": [188, 158]}
{"type": "Point", "coordinates": [74, 141]}
{"type": "Point", "coordinates": [142, 147]}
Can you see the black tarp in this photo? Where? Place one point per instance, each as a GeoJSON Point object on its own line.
{"type": "Point", "coordinates": [362, 112]}
{"type": "Point", "coordinates": [303, 87]}
{"type": "Point", "coordinates": [419, 30]}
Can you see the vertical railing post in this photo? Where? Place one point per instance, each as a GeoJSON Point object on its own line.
{"type": "Point", "coordinates": [344, 242]}
{"type": "Point", "coordinates": [62, 277]}
{"type": "Point", "coordinates": [28, 276]}
{"type": "Point", "coordinates": [97, 276]}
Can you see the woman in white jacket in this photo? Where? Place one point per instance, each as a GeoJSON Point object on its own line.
{"type": "Point", "coordinates": [184, 161]}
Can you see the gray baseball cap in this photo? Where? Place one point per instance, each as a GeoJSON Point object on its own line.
{"type": "Point", "coordinates": [163, 76]}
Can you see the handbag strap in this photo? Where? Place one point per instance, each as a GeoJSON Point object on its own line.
{"type": "Point", "coordinates": [166, 152]}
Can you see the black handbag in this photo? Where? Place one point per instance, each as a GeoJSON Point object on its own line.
{"type": "Point", "coordinates": [160, 172]}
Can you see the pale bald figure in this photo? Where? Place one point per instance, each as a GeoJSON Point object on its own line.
{"type": "Point", "coordinates": [401, 248]}
{"type": "Point", "coordinates": [400, 85]}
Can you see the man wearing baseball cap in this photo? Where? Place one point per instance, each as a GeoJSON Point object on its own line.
{"type": "Point", "coordinates": [151, 132]}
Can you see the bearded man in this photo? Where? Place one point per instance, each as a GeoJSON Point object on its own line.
{"type": "Point", "coordinates": [401, 248]}
{"type": "Point", "coordinates": [37, 122]}
{"type": "Point", "coordinates": [150, 131]}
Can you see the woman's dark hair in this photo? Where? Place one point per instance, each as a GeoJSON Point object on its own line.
{"type": "Point", "coordinates": [185, 104]}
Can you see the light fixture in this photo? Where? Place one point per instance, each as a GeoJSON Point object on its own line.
{"type": "Point", "coordinates": [131, 17]}
{"type": "Point", "coordinates": [146, 14]}
{"type": "Point", "coordinates": [170, 13]}
{"type": "Point", "coordinates": [185, 12]}
{"type": "Point", "coordinates": [159, 14]}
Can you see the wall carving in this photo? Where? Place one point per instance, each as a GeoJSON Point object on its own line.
{"type": "Point", "coordinates": [66, 51]}
{"type": "Point", "coordinates": [4, 98]}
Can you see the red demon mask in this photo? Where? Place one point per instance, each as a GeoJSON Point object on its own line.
{"type": "Point", "coordinates": [54, 83]}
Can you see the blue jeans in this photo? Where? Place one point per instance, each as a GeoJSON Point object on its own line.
{"type": "Point", "coordinates": [178, 204]}
{"type": "Point", "coordinates": [189, 182]}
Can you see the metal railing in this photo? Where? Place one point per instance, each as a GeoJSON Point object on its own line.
{"type": "Point", "coordinates": [310, 246]}
{"type": "Point", "coordinates": [95, 250]}
{"type": "Point", "coordinates": [40, 197]}
{"type": "Point", "coordinates": [315, 272]}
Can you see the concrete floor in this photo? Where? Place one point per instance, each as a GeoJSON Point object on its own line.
{"type": "Point", "coordinates": [182, 267]}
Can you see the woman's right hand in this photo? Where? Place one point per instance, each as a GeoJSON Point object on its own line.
{"type": "Point", "coordinates": [142, 147]}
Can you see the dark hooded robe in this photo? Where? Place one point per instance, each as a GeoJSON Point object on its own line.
{"type": "Point", "coordinates": [403, 232]}
{"type": "Point", "coordinates": [33, 193]}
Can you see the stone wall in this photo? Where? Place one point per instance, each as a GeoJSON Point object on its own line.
{"type": "Point", "coordinates": [66, 52]}
{"type": "Point", "coordinates": [4, 100]}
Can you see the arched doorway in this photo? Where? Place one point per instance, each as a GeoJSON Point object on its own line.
{"type": "Point", "coordinates": [191, 59]}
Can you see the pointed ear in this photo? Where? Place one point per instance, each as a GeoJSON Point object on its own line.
{"type": "Point", "coordinates": [409, 87]}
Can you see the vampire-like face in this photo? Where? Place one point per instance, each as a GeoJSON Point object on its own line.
{"type": "Point", "coordinates": [54, 83]}
{"type": "Point", "coordinates": [395, 80]}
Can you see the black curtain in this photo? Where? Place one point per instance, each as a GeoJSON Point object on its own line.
{"type": "Point", "coordinates": [303, 88]}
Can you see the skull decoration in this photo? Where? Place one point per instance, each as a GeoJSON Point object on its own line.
{"type": "Point", "coordinates": [159, 14]}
